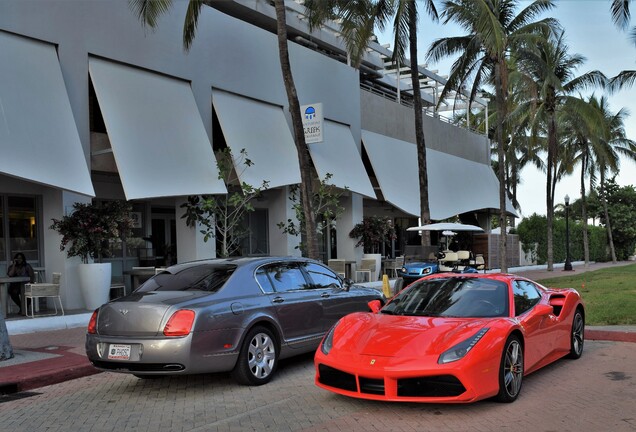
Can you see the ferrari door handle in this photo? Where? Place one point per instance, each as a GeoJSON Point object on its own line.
{"type": "Point", "coordinates": [325, 295]}
{"type": "Point", "coordinates": [278, 300]}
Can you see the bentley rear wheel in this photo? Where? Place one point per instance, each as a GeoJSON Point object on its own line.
{"type": "Point", "coordinates": [258, 358]}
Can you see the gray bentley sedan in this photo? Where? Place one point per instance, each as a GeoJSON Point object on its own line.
{"type": "Point", "coordinates": [239, 314]}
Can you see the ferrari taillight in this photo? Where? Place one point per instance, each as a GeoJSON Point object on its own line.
{"type": "Point", "coordinates": [92, 323]}
{"type": "Point", "coordinates": [180, 323]}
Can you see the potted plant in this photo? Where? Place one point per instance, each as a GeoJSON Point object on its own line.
{"type": "Point", "coordinates": [371, 233]}
{"type": "Point", "coordinates": [87, 233]}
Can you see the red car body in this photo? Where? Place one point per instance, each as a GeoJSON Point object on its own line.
{"type": "Point", "coordinates": [391, 356]}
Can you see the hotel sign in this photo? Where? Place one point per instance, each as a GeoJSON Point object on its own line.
{"type": "Point", "coordinates": [313, 124]}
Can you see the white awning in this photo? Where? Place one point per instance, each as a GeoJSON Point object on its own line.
{"type": "Point", "coordinates": [39, 141]}
{"type": "Point", "coordinates": [395, 165]}
{"type": "Point", "coordinates": [339, 156]}
{"type": "Point", "coordinates": [455, 185]}
{"type": "Point", "coordinates": [158, 139]}
{"type": "Point", "coordinates": [262, 130]}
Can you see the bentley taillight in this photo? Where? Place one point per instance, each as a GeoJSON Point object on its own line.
{"type": "Point", "coordinates": [92, 323]}
{"type": "Point", "coordinates": [180, 323]}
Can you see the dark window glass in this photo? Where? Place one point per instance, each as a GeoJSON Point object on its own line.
{"type": "Point", "coordinates": [286, 277]}
{"type": "Point", "coordinates": [526, 296]}
{"type": "Point", "coordinates": [201, 277]}
{"type": "Point", "coordinates": [321, 276]}
{"type": "Point", "coordinates": [263, 280]}
{"type": "Point", "coordinates": [452, 297]}
{"type": "Point", "coordinates": [23, 230]}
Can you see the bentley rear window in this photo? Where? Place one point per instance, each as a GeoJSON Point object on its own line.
{"type": "Point", "coordinates": [202, 277]}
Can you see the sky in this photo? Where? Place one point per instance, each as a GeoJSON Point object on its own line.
{"type": "Point", "coordinates": [589, 31]}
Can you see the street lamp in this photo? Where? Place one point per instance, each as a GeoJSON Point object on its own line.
{"type": "Point", "coordinates": [568, 264]}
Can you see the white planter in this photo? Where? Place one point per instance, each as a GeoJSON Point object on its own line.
{"type": "Point", "coordinates": [378, 263]}
{"type": "Point", "coordinates": [94, 282]}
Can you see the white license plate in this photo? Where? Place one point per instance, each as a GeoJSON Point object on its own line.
{"type": "Point", "coordinates": [119, 352]}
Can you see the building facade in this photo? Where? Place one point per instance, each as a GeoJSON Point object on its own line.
{"type": "Point", "coordinates": [97, 107]}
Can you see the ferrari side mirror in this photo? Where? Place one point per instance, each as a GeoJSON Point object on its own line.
{"type": "Point", "coordinates": [375, 306]}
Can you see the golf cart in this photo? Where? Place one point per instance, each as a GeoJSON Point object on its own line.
{"type": "Point", "coordinates": [445, 259]}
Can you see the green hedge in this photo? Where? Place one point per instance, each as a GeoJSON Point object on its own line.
{"type": "Point", "coordinates": [534, 230]}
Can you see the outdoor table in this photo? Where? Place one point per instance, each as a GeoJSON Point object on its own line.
{"type": "Point", "coordinates": [4, 289]}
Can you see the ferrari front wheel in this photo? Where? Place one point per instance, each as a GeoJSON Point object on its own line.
{"type": "Point", "coordinates": [511, 370]}
{"type": "Point", "coordinates": [577, 336]}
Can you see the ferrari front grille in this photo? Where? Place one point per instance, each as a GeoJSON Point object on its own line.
{"type": "Point", "coordinates": [371, 386]}
{"type": "Point", "coordinates": [335, 378]}
{"type": "Point", "coordinates": [430, 386]}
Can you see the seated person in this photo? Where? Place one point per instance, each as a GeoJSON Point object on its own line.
{"type": "Point", "coordinates": [19, 267]}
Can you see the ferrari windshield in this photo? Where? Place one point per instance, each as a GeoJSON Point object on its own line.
{"type": "Point", "coordinates": [460, 297]}
{"type": "Point", "coordinates": [202, 277]}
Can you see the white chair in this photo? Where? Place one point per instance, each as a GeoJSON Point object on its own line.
{"type": "Point", "coordinates": [367, 267]}
{"type": "Point", "coordinates": [394, 265]}
{"type": "Point", "coordinates": [338, 266]}
{"type": "Point", "coordinates": [35, 291]}
{"type": "Point", "coordinates": [117, 290]}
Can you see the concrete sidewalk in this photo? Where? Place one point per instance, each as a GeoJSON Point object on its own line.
{"type": "Point", "coordinates": [50, 350]}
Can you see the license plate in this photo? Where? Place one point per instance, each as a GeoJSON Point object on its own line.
{"type": "Point", "coordinates": [119, 352]}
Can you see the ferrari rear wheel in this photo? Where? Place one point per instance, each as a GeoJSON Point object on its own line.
{"type": "Point", "coordinates": [258, 358]}
{"type": "Point", "coordinates": [511, 370]}
{"type": "Point", "coordinates": [578, 336]}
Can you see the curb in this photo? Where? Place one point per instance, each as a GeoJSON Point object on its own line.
{"type": "Point", "coordinates": [610, 335]}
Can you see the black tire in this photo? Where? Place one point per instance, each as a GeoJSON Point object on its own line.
{"type": "Point", "coordinates": [258, 358]}
{"type": "Point", "coordinates": [510, 371]}
{"type": "Point", "coordinates": [577, 335]}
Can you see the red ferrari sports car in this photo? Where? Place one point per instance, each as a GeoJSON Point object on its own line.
{"type": "Point", "coordinates": [452, 338]}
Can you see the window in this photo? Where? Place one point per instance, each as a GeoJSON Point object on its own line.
{"type": "Point", "coordinates": [526, 296]}
{"type": "Point", "coordinates": [321, 276]}
{"type": "Point", "coordinates": [285, 277]}
{"type": "Point", "coordinates": [256, 242]}
{"type": "Point", "coordinates": [19, 229]}
{"type": "Point", "coordinates": [208, 278]}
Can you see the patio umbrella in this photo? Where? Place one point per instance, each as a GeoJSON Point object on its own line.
{"type": "Point", "coordinates": [444, 226]}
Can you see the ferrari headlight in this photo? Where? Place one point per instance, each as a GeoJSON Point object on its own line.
{"type": "Point", "coordinates": [327, 342]}
{"type": "Point", "coordinates": [461, 349]}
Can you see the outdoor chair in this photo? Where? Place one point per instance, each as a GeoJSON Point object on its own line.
{"type": "Point", "coordinates": [35, 291]}
{"type": "Point", "coordinates": [338, 266]}
{"type": "Point", "coordinates": [367, 267]}
{"type": "Point", "coordinates": [394, 265]}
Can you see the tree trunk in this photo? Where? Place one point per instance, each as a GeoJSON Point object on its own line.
{"type": "Point", "coordinates": [608, 226]}
{"type": "Point", "coordinates": [6, 350]}
{"type": "Point", "coordinates": [425, 211]}
{"type": "Point", "coordinates": [586, 241]}
{"type": "Point", "coordinates": [304, 160]}
{"type": "Point", "coordinates": [501, 90]}
{"type": "Point", "coordinates": [549, 188]}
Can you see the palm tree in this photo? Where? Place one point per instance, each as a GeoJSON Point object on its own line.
{"type": "Point", "coordinates": [621, 16]}
{"type": "Point", "coordinates": [494, 32]}
{"type": "Point", "coordinates": [551, 69]}
{"type": "Point", "coordinates": [148, 11]}
{"type": "Point", "coordinates": [358, 20]}
{"type": "Point", "coordinates": [610, 147]}
{"type": "Point", "coordinates": [580, 135]}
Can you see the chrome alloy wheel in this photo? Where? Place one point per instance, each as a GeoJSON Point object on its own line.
{"type": "Point", "coordinates": [261, 355]}
{"type": "Point", "coordinates": [578, 335]}
{"type": "Point", "coordinates": [513, 368]}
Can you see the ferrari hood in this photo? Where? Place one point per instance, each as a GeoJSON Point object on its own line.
{"type": "Point", "coordinates": [391, 336]}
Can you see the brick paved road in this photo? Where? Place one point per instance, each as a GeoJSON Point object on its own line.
{"type": "Point", "coordinates": [595, 393]}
